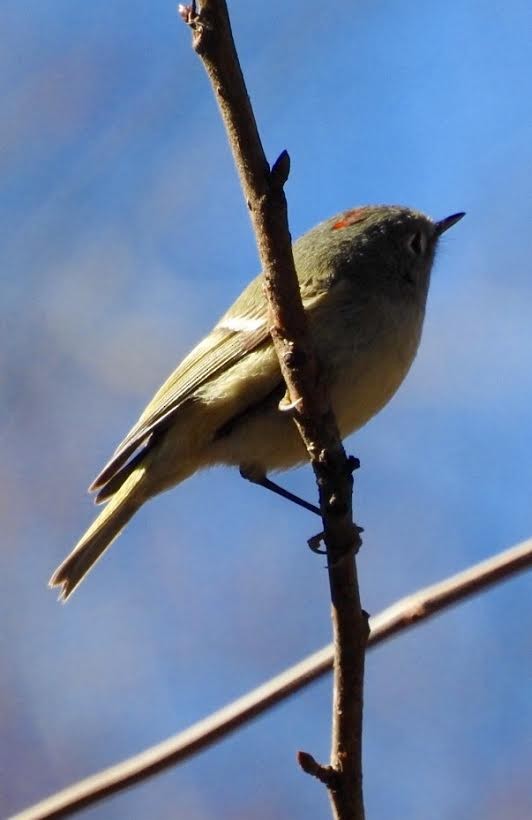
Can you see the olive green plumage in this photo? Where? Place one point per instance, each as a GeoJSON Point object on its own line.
{"type": "Point", "coordinates": [364, 276]}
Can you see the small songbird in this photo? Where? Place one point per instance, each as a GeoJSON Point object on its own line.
{"type": "Point", "coordinates": [364, 276]}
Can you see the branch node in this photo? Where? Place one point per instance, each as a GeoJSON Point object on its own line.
{"type": "Point", "coordinates": [188, 14]}
{"type": "Point", "coordinates": [294, 357]}
{"type": "Point", "coordinates": [353, 463]}
{"type": "Point", "coordinates": [325, 774]}
{"type": "Point", "coordinates": [280, 170]}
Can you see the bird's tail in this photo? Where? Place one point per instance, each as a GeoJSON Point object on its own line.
{"type": "Point", "coordinates": [113, 518]}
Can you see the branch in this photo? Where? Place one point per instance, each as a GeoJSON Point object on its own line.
{"type": "Point", "coordinates": [307, 396]}
{"type": "Point", "coordinates": [402, 615]}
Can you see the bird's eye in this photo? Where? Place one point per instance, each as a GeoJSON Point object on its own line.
{"type": "Point", "coordinates": [417, 243]}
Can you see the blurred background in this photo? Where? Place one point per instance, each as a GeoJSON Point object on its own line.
{"type": "Point", "coordinates": [124, 237]}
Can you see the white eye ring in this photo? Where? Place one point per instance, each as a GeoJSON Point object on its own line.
{"type": "Point", "coordinates": [417, 243]}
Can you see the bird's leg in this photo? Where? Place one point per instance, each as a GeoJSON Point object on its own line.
{"type": "Point", "coordinates": [257, 476]}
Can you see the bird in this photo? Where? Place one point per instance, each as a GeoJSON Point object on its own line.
{"type": "Point", "coordinates": [364, 276]}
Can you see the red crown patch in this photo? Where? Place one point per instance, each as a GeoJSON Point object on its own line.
{"type": "Point", "coordinates": [350, 218]}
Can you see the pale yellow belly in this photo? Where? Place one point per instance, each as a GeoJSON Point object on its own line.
{"type": "Point", "coordinates": [363, 384]}
{"type": "Point", "coordinates": [371, 382]}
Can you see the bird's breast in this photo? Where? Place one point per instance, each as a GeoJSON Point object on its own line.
{"type": "Point", "coordinates": [372, 367]}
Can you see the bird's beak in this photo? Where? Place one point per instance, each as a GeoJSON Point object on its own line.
{"type": "Point", "coordinates": [444, 224]}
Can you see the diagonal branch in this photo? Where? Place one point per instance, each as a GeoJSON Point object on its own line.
{"type": "Point", "coordinates": [397, 618]}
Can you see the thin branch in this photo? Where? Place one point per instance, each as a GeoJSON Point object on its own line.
{"type": "Point", "coordinates": [306, 393]}
{"type": "Point", "coordinates": [397, 618]}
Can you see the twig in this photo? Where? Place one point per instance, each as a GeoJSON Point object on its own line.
{"type": "Point", "coordinates": [307, 396]}
{"type": "Point", "coordinates": [402, 615]}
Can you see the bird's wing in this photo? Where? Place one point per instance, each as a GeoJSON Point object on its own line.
{"type": "Point", "coordinates": [242, 329]}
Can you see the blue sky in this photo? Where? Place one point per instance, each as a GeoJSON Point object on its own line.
{"type": "Point", "coordinates": [124, 237]}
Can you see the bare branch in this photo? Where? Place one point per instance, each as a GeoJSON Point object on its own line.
{"type": "Point", "coordinates": [402, 615]}
{"type": "Point", "coordinates": [307, 396]}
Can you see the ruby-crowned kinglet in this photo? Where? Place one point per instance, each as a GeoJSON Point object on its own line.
{"type": "Point", "coordinates": [364, 277]}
